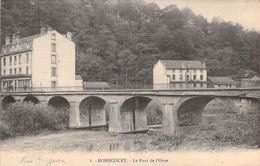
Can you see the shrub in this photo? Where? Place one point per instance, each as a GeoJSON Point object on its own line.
{"type": "Point", "coordinates": [154, 114]}
{"type": "Point", "coordinates": [23, 118]}
{"type": "Point", "coordinates": [5, 131]}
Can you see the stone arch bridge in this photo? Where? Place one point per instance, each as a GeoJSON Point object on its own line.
{"type": "Point", "coordinates": [125, 110]}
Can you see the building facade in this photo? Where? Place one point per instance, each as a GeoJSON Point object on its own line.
{"type": "Point", "coordinates": [40, 62]}
{"type": "Point", "coordinates": [175, 74]}
{"type": "Point", "coordinates": [221, 82]}
{"type": "Point", "coordinates": [250, 82]}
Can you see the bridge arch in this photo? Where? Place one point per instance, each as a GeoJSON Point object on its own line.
{"type": "Point", "coordinates": [7, 100]}
{"type": "Point", "coordinates": [189, 111]}
{"type": "Point", "coordinates": [62, 107]}
{"type": "Point", "coordinates": [32, 99]}
{"type": "Point", "coordinates": [133, 114]}
{"type": "Point", "coordinates": [93, 111]}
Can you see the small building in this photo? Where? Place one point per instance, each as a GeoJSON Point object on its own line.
{"type": "Point", "coordinates": [41, 61]}
{"type": "Point", "coordinates": [95, 85]}
{"type": "Point", "coordinates": [178, 74]}
{"type": "Point", "coordinates": [221, 82]}
{"type": "Point", "coordinates": [250, 82]}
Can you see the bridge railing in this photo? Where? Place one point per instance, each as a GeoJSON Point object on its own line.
{"type": "Point", "coordinates": [44, 89]}
{"type": "Point", "coordinates": [105, 88]}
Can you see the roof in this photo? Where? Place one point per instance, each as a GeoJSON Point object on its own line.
{"type": "Point", "coordinates": [28, 38]}
{"type": "Point", "coordinates": [96, 85]}
{"type": "Point", "coordinates": [255, 78]}
{"type": "Point", "coordinates": [78, 77]}
{"type": "Point", "coordinates": [221, 80]}
{"type": "Point", "coordinates": [21, 45]}
{"type": "Point", "coordinates": [178, 64]}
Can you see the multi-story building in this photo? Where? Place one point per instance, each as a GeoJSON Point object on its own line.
{"type": "Point", "coordinates": [45, 60]}
{"type": "Point", "coordinates": [171, 74]}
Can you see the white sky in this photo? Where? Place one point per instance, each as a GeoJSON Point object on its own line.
{"type": "Point", "coordinates": [244, 12]}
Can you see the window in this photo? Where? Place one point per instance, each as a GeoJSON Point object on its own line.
{"type": "Point", "coordinates": [20, 70]}
{"type": "Point", "coordinates": [173, 85]}
{"type": "Point", "coordinates": [180, 76]}
{"type": "Point", "coordinates": [27, 70]}
{"type": "Point", "coordinates": [53, 72]}
{"type": "Point", "coordinates": [27, 58]}
{"type": "Point", "coordinates": [20, 56]}
{"type": "Point", "coordinates": [53, 36]}
{"type": "Point", "coordinates": [194, 85]}
{"type": "Point", "coordinates": [218, 85]}
{"type": "Point", "coordinates": [10, 61]}
{"type": "Point", "coordinates": [173, 77]}
{"type": "Point", "coordinates": [201, 77]}
{"type": "Point", "coordinates": [201, 71]}
{"type": "Point", "coordinates": [53, 47]}
{"type": "Point", "coordinates": [53, 59]}
{"type": "Point", "coordinates": [53, 84]}
{"type": "Point", "coordinates": [230, 85]}
{"type": "Point", "coordinates": [181, 86]}
{"type": "Point", "coordinates": [4, 72]}
{"type": "Point", "coordinates": [194, 77]}
{"type": "Point", "coordinates": [187, 77]}
{"type": "Point", "coordinates": [10, 71]}
{"type": "Point", "coordinates": [226, 85]}
{"type": "Point", "coordinates": [201, 85]}
{"type": "Point", "coordinates": [4, 62]}
{"type": "Point", "coordinates": [14, 71]}
{"type": "Point", "coordinates": [15, 60]}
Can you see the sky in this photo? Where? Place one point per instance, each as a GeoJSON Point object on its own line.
{"type": "Point", "coordinates": [244, 12]}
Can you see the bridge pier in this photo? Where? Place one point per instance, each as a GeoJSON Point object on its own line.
{"type": "Point", "coordinates": [170, 120]}
{"type": "Point", "coordinates": [114, 117]}
{"type": "Point", "coordinates": [74, 121]}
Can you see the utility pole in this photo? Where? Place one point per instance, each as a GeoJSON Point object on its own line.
{"type": "Point", "coordinates": [116, 80]}
{"type": "Point", "coordinates": [126, 78]}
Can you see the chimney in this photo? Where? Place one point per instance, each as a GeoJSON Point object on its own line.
{"type": "Point", "coordinates": [43, 31]}
{"type": "Point", "coordinates": [17, 39]}
{"type": "Point", "coordinates": [13, 40]}
{"type": "Point", "coordinates": [49, 29]}
{"type": "Point", "coordinates": [69, 35]}
{"type": "Point", "coordinates": [7, 40]}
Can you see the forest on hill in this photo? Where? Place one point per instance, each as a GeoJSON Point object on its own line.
{"type": "Point", "coordinates": [112, 35]}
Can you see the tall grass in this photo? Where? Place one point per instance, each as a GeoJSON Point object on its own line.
{"type": "Point", "coordinates": [23, 118]}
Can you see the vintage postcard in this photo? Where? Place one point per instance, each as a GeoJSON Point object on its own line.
{"type": "Point", "coordinates": [130, 82]}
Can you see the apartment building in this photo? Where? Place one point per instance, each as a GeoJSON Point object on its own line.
{"type": "Point", "coordinates": [179, 74]}
{"type": "Point", "coordinates": [45, 60]}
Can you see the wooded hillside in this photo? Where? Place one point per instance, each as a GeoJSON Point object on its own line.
{"type": "Point", "coordinates": [112, 35]}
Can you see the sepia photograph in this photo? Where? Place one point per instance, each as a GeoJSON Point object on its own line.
{"type": "Point", "coordinates": [130, 82]}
